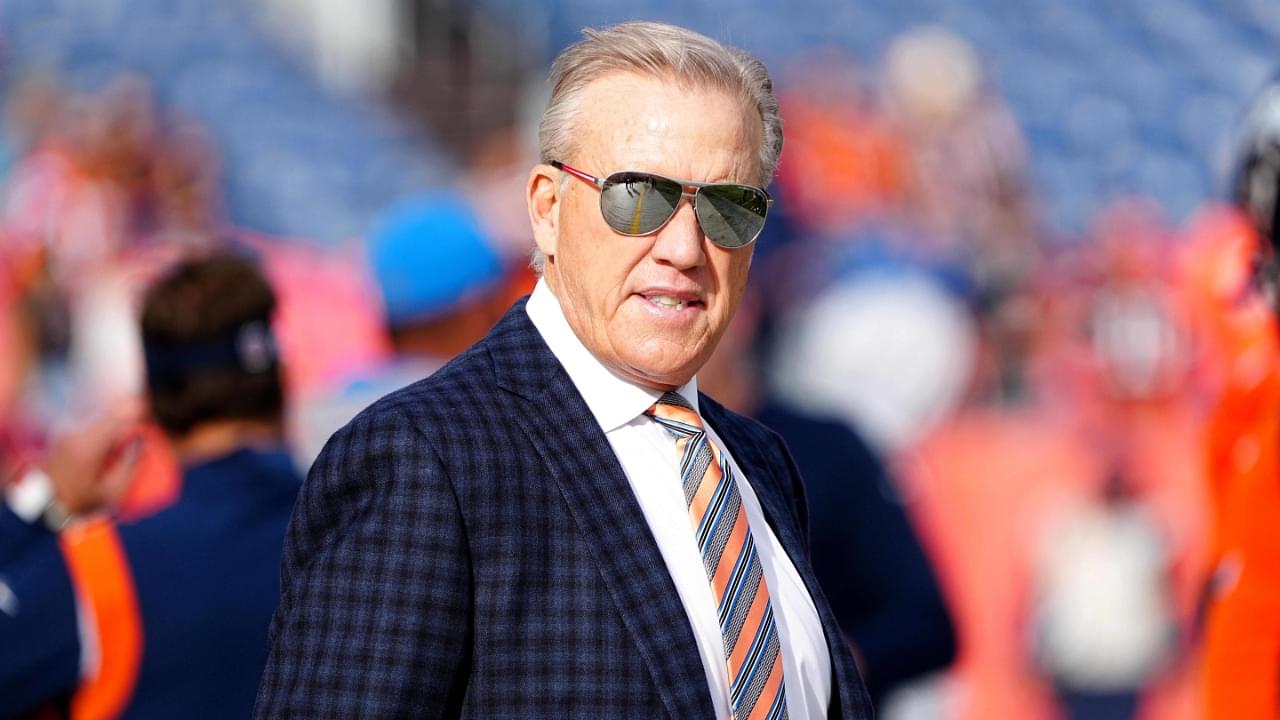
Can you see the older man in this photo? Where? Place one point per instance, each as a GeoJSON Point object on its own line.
{"type": "Point", "coordinates": [557, 524]}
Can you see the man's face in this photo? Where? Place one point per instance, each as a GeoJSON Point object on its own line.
{"type": "Point", "coordinates": [617, 291]}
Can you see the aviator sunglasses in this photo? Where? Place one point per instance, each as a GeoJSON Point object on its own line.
{"type": "Point", "coordinates": [641, 203]}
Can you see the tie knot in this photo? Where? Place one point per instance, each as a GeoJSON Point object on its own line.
{"type": "Point", "coordinates": [671, 397]}
{"type": "Point", "coordinates": [676, 414]}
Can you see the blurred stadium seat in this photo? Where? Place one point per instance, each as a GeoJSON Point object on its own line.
{"type": "Point", "coordinates": [1116, 98]}
{"type": "Point", "coordinates": [302, 162]}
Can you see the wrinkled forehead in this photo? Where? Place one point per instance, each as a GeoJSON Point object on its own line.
{"type": "Point", "coordinates": [629, 118]}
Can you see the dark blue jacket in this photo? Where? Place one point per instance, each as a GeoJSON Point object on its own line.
{"type": "Point", "coordinates": [866, 554]}
{"type": "Point", "coordinates": [470, 547]}
{"type": "Point", "coordinates": [201, 581]}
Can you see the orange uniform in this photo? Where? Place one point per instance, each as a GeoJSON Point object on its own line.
{"type": "Point", "coordinates": [1241, 669]}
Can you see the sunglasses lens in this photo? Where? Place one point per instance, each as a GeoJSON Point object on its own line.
{"type": "Point", "coordinates": [732, 215]}
{"type": "Point", "coordinates": [635, 203]}
{"type": "Point", "coordinates": [638, 203]}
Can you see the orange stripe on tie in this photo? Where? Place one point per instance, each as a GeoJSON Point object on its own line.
{"type": "Point", "coordinates": [770, 691]}
{"type": "Point", "coordinates": [701, 501]}
{"type": "Point", "coordinates": [682, 415]}
{"type": "Point", "coordinates": [100, 573]}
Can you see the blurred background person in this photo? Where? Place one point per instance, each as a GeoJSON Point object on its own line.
{"type": "Point", "coordinates": [1242, 593]}
{"type": "Point", "coordinates": [1094, 460]}
{"type": "Point", "coordinates": [1102, 624]}
{"type": "Point", "coordinates": [864, 550]}
{"type": "Point", "coordinates": [441, 286]}
{"type": "Point", "coordinates": [165, 616]}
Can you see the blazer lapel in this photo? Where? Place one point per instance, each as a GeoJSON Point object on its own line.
{"type": "Point", "coordinates": [757, 466]}
{"type": "Point", "coordinates": [581, 462]}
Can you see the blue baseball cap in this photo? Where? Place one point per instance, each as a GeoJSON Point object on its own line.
{"type": "Point", "coordinates": [429, 255]}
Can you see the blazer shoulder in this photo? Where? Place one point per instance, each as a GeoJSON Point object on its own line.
{"type": "Point", "coordinates": [511, 358]}
{"type": "Point", "coordinates": [459, 383]}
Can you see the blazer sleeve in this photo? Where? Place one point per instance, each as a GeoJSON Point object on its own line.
{"type": "Point", "coordinates": [375, 612]}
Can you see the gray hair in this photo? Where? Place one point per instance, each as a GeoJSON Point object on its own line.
{"type": "Point", "coordinates": [662, 51]}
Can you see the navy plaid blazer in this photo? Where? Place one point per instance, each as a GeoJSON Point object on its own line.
{"type": "Point", "coordinates": [470, 547]}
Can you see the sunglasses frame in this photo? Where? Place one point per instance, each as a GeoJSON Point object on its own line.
{"type": "Point", "coordinates": [688, 189]}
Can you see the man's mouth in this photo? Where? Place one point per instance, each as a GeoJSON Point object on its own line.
{"type": "Point", "coordinates": [668, 301]}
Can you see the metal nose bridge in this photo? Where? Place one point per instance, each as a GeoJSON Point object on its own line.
{"type": "Point", "coordinates": [693, 204]}
{"type": "Point", "coordinates": [686, 193]}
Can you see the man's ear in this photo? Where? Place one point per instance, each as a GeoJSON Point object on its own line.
{"type": "Point", "coordinates": [543, 195]}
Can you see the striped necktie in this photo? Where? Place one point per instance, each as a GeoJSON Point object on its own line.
{"type": "Point", "coordinates": [751, 647]}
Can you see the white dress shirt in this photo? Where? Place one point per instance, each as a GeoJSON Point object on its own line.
{"type": "Point", "coordinates": [647, 454]}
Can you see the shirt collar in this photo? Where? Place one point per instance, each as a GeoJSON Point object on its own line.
{"type": "Point", "coordinates": [612, 400]}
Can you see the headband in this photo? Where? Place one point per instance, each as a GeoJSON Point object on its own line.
{"type": "Point", "coordinates": [249, 347]}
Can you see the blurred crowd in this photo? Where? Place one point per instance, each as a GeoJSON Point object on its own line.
{"type": "Point", "coordinates": [1054, 420]}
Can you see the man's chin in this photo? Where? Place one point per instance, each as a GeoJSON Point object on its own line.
{"type": "Point", "coordinates": [660, 375]}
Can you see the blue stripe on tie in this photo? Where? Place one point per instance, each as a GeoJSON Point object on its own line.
{"type": "Point", "coordinates": [717, 545]}
{"type": "Point", "coordinates": [691, 451]}
{"type": "Point", "coordinates": [753, 692]}
{"type": "Point", "coordinates": [719, 500]}
{"type": "Point", "coordinates": [733, 588]}
{"type": "Point", "coordinates": [718, 511]}
{"type": "Point", "coordinates": [752, 664]}
{"type": "Point", "coordinates": [676, 427]}
{"type": "Point", "coordinates": [671, 397]}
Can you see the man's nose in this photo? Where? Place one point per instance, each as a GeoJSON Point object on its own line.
{"type": "Point", "coordinates": [680, 243]}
